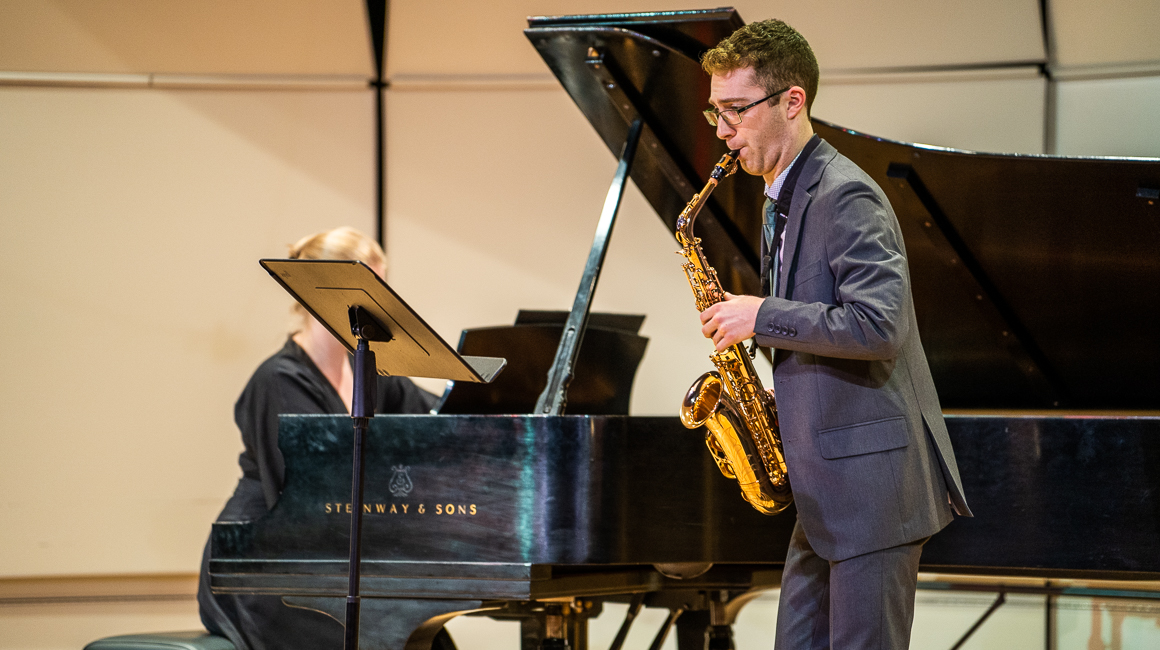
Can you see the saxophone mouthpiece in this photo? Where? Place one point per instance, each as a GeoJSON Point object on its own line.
{"type": "Point", "coordinates": [726, 166]}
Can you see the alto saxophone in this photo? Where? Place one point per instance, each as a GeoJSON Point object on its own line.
{"type": "Point", "coordinates": [741, 417]}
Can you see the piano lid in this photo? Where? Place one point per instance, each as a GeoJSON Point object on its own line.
{"type": "Point", "coordinates": [1036, 278]}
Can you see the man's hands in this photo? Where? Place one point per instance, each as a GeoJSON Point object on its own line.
{"type": "Point", "coordinates": [731, 321]}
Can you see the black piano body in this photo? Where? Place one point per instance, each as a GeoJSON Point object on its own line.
{"type": "Point", "coordinates": [469, 513]}
{"type": "Point", "coordinates": [490, 513]}
{"type": "Point", "coordinates": [544, 518]}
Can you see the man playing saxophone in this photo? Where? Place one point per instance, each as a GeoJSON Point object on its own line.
{"type": "Point", "coordinates": [868, 456]}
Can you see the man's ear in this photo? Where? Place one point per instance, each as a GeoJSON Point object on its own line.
{"type": "Point", "coordinates": [795, 101]}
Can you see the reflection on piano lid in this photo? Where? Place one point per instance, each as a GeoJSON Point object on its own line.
{"type": "Point", "coordinates": [609, 357]}
{"type": "Point", "coordinates": [1036, 279]}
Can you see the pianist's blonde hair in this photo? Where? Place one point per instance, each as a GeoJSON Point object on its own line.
{"type": "Point", "coordinates": [779, 55]}
{"type": "Point", "coordinates": [343, 243]}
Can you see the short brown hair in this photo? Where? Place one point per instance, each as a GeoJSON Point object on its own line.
{"type": "Point", "coordinates": [779, 55]}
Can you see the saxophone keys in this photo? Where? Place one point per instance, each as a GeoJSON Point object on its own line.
{"type": "Point", "coordinates": [718, 455]}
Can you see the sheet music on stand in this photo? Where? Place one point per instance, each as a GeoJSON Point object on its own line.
{"type": "Point", "coordinates": [386, 337]}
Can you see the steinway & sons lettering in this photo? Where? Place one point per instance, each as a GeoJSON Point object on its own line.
{"type": "Point", "coordinates": [454, 509]}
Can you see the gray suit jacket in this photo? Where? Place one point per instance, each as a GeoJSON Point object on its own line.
{"type": "Point", "coordinates": [868, 454]}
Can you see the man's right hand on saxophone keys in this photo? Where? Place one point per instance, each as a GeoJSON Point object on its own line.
{"type": "Point", "coordinates": [730, 321]}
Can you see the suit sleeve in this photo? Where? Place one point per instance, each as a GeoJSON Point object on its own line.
{"type": "Point", "coordinates": [865, 317]}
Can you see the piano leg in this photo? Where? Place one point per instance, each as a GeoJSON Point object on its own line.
{"type": "Point", "coordinates": [691, 629]}
{"type": "Point", "coordinates": [707, 621]}
{"type": "Point", "coordinates": [720, 638]}
{"type": "Point", "coordinates": [393, 623]}
{"type": "Point", "coordinates": [696, 631]}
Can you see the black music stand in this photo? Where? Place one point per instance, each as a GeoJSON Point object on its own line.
{"type": "Point", "coordinates": [368, 317]}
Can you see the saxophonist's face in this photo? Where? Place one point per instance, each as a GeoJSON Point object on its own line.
{"type": "Point", "coordinates": [761, 135]}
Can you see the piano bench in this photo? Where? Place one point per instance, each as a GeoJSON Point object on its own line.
{"type": "Point", "coordinates": [193, 640]}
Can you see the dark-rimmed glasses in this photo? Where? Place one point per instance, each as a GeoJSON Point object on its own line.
{"type": "Point", "coordinates": [732, 116]}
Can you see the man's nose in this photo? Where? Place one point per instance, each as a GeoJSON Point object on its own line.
{"type": "Point", "coordinates": [724, 129]}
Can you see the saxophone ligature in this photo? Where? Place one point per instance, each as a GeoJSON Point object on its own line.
{"type": "Point", "coordinates": [739, 414]}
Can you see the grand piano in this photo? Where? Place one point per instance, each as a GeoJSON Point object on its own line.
{"type": "Point", "coordinates": [1035, 280]}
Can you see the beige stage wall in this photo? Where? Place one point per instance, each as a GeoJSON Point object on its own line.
{"type": "Point", "coordinates": [135, 203]}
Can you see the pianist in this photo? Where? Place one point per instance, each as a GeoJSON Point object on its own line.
{"type": "Point", "coordinates": [869, 459]}
{"type": "Point", "coordinates": [310, 374]}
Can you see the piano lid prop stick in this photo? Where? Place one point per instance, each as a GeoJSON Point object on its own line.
{"type": "Point", "coordinates": [555, 395]}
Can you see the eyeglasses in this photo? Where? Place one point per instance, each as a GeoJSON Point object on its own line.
{"type": "Point", "coordinates": [732, 116]}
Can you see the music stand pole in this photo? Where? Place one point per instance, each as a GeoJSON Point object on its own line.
{"type": "Point", "coordinates": [366, 329]}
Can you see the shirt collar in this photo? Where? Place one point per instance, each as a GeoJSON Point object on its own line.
{"type": "Point", "coordinates": [772, 191]}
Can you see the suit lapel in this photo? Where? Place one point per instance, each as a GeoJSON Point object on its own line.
{"type": "Point", "coordinates": [793, 227]}
{"type": "Point", "coordinates": [802, 195]}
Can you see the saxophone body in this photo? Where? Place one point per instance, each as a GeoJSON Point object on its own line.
{"type": "Point", "coordinates": [740, 415]}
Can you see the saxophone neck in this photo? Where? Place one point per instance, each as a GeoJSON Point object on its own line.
{"type": "Point", "coordinates": [724, 167]}
{"type": "Point", "coordinates": [689, 215]}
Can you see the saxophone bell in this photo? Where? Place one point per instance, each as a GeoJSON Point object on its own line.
{"type": "Point", "coordinates": [732, 448]}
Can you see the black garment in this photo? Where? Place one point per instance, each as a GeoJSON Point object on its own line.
{"type": "Point", "coordinates": [287, 382]}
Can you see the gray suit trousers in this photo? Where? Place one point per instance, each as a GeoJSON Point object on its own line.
{"type": "Point", "coordinates": [862, 603]}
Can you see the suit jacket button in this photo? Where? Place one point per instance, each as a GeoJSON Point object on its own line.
{"type": "Point", "coordinates": [792, 331]}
